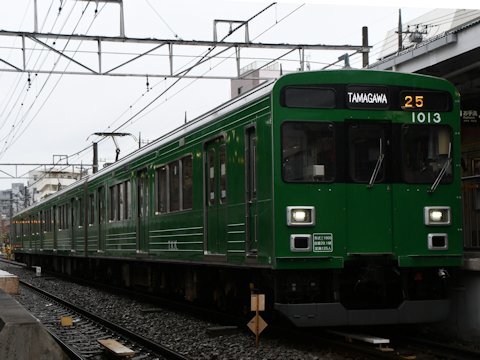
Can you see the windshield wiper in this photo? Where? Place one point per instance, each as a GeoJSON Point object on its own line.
{"type": "Point", "coordinates": [443, 171]}
{"type": "Point", "coordinates": [378, 165]}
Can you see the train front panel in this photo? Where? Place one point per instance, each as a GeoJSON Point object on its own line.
{"type": "Point", "coordinates": [366, 196]}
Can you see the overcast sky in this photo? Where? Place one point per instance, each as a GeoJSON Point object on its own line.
{"type": "Point", "coordinates": [55, 115]}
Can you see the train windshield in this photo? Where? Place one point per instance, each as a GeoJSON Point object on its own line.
{"type": "Point", "coordinates": [308, 152]}
{"type": "Point", "coordinates": [426, 150]}
{"type": "Point", "coordinates": [367, 144]}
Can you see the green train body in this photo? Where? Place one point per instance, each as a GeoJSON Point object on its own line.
{"type": "Point", "coordinates": [335, 192]}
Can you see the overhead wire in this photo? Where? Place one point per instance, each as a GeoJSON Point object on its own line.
{"type": "Point", "coordinates": [15, 123]}
{"type": "Point", "coordinates": [58, 80]}
{"type": "Point", "coordinates": [14, 88]}
{"type": "Point", "coordinates": [163, 20]}
{"type": "Point", "coordinates": [183, 72]}
{"type": "Point", "coordinates": [137, 114]}
{"type": "Point", "coordinates": [222, 61]}
{"type": "Point", "coordinates": [78, 152]}
{"type": "Point", "coordinates": [16, 136]}
{"type": "Point", "coordinates": [13, 47]}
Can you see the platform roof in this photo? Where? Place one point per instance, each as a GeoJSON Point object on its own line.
{"type": "Point", "coordinates": [451, 52]}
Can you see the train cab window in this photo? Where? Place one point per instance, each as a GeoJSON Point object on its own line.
{"type": "Point", "coordinates": [367, 144]}
{"type": "Point", "coordinates": [426, 150]}
{"type": "Point", "coordinates": [308, 152]}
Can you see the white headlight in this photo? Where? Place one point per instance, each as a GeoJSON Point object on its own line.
{"type": "Point", "coordinates": [437, 215]}
{"type": "Point", "coordinates": [300, 215]}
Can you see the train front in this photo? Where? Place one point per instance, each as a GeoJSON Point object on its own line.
{"type": "Point", "coordinates": [367, 225]}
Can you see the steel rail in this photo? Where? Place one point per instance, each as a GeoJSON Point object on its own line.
{"type": "Point", "coordinates": [147, 343]}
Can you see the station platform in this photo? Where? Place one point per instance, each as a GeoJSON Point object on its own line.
{"type": "Point", "coordinates": [464, 317]}
{"type": "Point", "coordinates": [471, 261]}
{"type": "Point", "coordinates": [22, 336]}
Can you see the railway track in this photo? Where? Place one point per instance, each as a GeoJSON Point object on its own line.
{"type": "Point", "coordinates": [440, 350]}
{"type": "Point", "coordinates": [80, 341]}
{"type": "Point", "coordinates": [308, 341]}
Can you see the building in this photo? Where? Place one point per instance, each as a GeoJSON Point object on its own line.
{"type": "Point", "coordinates": [253, 75]}
{"type": "Point", "coordinates": [44, 183]}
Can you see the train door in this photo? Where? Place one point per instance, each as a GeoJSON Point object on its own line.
{"type": "Point", "coordinates": [216, 196]}
{"type": "Point", "coordinates": [101, 218]}
{"type": "Point", "coordinates": [251, 191]}
{"type": "Point", "coordinates": [369, 195]}
{"type": "Point", "coordinates": [142, 210]}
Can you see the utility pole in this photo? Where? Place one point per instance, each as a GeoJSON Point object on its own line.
{"type": "Point", "coordinates": [365, 44]}
{"type": "Point", "coordinates": [95, 157]}
{"type": "Point", "coordinates": [400, 32]}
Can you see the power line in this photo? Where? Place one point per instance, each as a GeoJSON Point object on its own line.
{"type": "Point", "coordinates": [15, 137]}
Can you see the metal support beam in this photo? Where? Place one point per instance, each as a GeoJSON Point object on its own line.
{"type": "Point", "coordinates": [122, 17]}
{"type": "Point", "coordinates": [231, 22]}
{"type": "Point", "coordinates": [237, 55]}
{"type": "Point", "coordinates": [61, 54]}
{"type": "Point", "coordinates": [170, 54]}
{"type": "Point", "coordinates": [302, 59]}
{"type": "Point", "coordinates": [159, 71]}
{"type": "Point", "coordinates": [99, 46]}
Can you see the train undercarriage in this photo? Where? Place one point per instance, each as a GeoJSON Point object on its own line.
{"type": "Point", "coordinates": [359, 294]}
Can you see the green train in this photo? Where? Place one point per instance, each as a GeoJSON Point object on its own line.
{"type": "Point", "coordinates": [335, 193]}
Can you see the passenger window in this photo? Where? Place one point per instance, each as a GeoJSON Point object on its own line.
{"type": "Point", "coordinates": [187, 182]}
{"type": "Point", "coordinates": [308, 152]}
{"type": "Point", "coordinates": [174, 185]}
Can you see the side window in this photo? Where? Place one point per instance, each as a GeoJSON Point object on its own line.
{"type": "Point", "coordinates": [211, 176]}
{"type": "Point", "coordinates": [187, 182]}
{"type": "Point", "coordinates": [91, 209]}
{"type": "Point", "coordinates": [161, 185]}
{"type": "Point", "coordinates": [113, 203]}
{"type": "Point", "coordinates": [81, 212]}
{"type": "Point", "coordinates": [174, 185]}
{"type": "Point", "coordinates": [121, 201]}
{"type": "Point", "coordinates": [128, 200]}
{"type": "Point", "coordinates": [223, 174]}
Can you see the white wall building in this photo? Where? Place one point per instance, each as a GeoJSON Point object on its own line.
{"type": "Point", "coordinates": [43, 183]}
{"type": "Point", "coordinates": [251, 76]}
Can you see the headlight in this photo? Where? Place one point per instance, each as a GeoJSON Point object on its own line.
{"type": "Point", "coordinates": [300, 215]}
{"type": "Point", "coordinates": [437, 215]}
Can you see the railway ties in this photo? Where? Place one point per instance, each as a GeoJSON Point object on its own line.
{"type": "Point", "coordinates": [382, 344]}
{"type": "Point", "coordinates": [89, 336]}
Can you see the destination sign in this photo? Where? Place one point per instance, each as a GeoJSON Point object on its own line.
{"type": "Point", "coordinates": [421, 100]}
{"type": "Point", "coordinates": [367, 97]}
